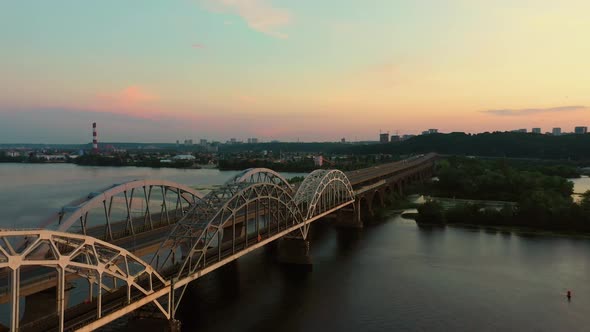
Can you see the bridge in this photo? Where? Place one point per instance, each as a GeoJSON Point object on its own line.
{"type": "Point", "coordinates": [137, 245]}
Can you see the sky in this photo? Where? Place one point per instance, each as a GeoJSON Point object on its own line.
{"type": "Point", "coordinates": [308, 70]}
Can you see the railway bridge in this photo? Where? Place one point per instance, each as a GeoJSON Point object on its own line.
{"type": "Point", "coordinates": [139, 244]}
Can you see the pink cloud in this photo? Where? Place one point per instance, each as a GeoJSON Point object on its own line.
{"type": "Point", "coordinates": [260, 15]}
{"type": "Point", "coordinates": [247, 99]}
{"type": "Point", "coordinates": [199, 46]}
{"type": "Point", "coordinates": [133, 100]}
{"type": "Point", "coordinates": [130, 96]}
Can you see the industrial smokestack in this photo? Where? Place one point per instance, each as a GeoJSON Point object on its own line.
{"type": "Point", "coordinates": [94, 138]}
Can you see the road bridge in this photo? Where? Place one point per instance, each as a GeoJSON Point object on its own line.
{"type": "Point", "coordinates": [150, 252]}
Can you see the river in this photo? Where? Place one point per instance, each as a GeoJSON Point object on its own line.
{"type": "Point", "coordinates": [389, 276]}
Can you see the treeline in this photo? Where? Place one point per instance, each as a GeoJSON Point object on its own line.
{"type": "Point", "coordinates": [540, 211]}
{"type": "Point", "coordinates": [499, 144]}
{"type": "Point", "coordinates": [499, 180]}
{"type": "Point", "coordinates": [543, 200]}
{"type": "Point", "coordinates": [303, 166]}
{"type": "Point", "coordinates": [122, 160]}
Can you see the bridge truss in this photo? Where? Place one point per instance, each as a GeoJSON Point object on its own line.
{"type": "Point", "coordinates": [249, 211]}
{"type": "Point", "coordinates": [126, 209]}
{"type": "Point", "coordinates": [100, 263]}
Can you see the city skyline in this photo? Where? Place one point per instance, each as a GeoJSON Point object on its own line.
{"type": "Point", "coordinates": [283, 70]}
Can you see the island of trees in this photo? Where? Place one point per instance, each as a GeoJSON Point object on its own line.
{"type": "Point", "coordinates": [536, 196]}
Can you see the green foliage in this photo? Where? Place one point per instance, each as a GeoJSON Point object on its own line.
{"type": "Point", "coordinates": [296, 179]}
{"type": "Point", "coordinates": [470, 178]}
{"type": "Point", "coordinates": [543, 199]}
{"type": "Point", "coordinates": [240, 164]}
{"type": "Point", "coordinates": [430, 212]}
{"type": "Point", "coordinates": [498, 144]}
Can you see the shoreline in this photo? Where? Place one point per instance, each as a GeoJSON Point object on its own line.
{"type": "Point", "coordinates": [518, 230]}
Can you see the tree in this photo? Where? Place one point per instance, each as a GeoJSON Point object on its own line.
{"type": "Point", "coordinates": [430, 212]}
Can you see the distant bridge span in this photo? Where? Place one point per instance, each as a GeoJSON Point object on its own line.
{"type": "Point", "coordinates": [250, 210]}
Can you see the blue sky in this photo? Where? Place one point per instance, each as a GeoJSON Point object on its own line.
{"type": "Point", "coordinates": [309, 70]}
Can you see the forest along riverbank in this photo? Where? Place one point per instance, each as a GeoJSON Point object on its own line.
{"type": "Point", "coordinates": [536, 197]}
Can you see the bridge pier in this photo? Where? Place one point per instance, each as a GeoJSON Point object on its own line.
{"type": "Point", "coordinates": [350, 217]}
{"type": "Point", "coordinates": [174, 325]}
{"type": "Point", "coordinates": [294, 251]}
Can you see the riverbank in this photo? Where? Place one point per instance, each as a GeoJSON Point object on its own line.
{"type": "Point", "coordinates": [518, 230]}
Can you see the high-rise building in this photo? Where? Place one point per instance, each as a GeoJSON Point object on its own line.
{"type": "Point", "coordinates": [343, 140]}
{"type": "Point", "coordinates": [384, 138]}
{"type": "Point", "coordinates": [253, 140]}
{"type": "Point", "coordinates": [395, 138]}
{"type": "Point", "coordinates": [433, 131]}
{"type": "Point", "coordinates": [581, 130]}
{"type": "Point", "coordinates": [536, 131]}
{"type": "Point", "coordinates": [522, 130]}
{"type": "Point", "coordinates": [203, 142]}
{"type": "Point", "coordinates": [188, 142]}
{"type": "Point", "coordinates": [556, 131]}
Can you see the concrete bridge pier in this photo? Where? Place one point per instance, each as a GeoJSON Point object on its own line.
{"type": "Point", "coordinates": [350, 217]}
{"type": "Point", "coordinates": [294, 251]}
{"type": "Point", "coordinates": [174, 325]}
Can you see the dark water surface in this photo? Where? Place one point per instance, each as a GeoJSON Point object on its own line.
{"type": "Point", "coordinates": [398, 276]}
{"type": "Point", "coordinates": [390, 276]}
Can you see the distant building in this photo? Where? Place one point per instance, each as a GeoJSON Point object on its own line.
{"type": "Point", "coordinates": [318, 161]}
{"type": "Point", "coordinates": [232, 141]}
{"type": "Point", "coordinates": [184, 157]}
{"type": "Point", "coordinates": [188, 142]}
{"type": "Point", "coordinates": [202, 142]}
{"type": "Point", "coordinates": [522, 130]}
{"type": "Point", "coordinates": [430, 131]}
{"type": "Point", "coordinates": [13, 154]}
{"type": "Point", "coordinates": [556, 131]}
{"type": "Point", "coordinates": [395, 138]}
{"type": "Point", "coordinates": [253, 140]}
{"type": "Point", "coordinates": [407, 136]}
{"type": "Point", "coordinates": [581, 130]}
{"type": "Point", "coordinates": [536, 131]}
{"type": "Point", "coordinates": [343, 140]}
{"type": "Point", "coordinates": [384, 138]}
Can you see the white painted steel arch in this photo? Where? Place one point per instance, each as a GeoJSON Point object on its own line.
{"type": "Point", "coordinates": [259, 175]}
{"type": "Point", "coordinates": [322, 189]}
{"type": "Point", "coordinates": [77, 212]}
{"type": "Point", "coordinates": [202, 228]}
{"type": "Point", "coordinates": [97, 261]}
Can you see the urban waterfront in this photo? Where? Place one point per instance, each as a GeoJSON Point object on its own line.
{"type": "Point", "coordinates": [391, 275]}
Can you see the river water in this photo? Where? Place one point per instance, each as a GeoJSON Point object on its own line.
{"type": "Point", "coordinates": [392, 275]}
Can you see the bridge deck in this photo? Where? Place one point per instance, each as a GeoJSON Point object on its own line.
{"type": "Point", "coordinates": [148, 239]}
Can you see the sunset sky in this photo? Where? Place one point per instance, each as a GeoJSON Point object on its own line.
{"type": "Point", "coordinates": [157, 71]}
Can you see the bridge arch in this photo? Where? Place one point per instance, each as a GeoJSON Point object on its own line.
{"type": "Point", "coordinates": [259, 175]}
{"type": "Point", "coordinates": [322, 190]}
{"type": "Point", "coordinates": [131, 204]}
{"type": "Point", "coordinates": [97, 261]}
{"type": "Point", "coordinates": [232, 208]}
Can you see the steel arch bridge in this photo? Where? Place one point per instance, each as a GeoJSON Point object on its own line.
{"type": "Point", "coordinates": [97, 261]}
{"type": "Point", "coordinates": [249, 211]}
{"type": "Point", "coordinates": [125, 209]}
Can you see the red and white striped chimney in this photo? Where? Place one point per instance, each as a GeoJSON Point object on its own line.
{"type": "Point", "coordinates": [94, 138]}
